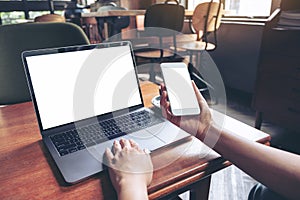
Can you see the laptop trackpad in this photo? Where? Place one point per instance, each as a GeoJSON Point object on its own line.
{"type": "Point", "coordinates": [167, 132]}
{"type": "Point", "coordinates": [145, 140]}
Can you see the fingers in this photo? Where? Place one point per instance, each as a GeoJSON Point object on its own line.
{"type": "Point", "coordinates": [125, 143]}
{"type": "Point", "coordinates": [109, 154]}
{"type": "Point", "coordinates": [116, 147]}
{"type": "Point", "coordinates": [162, 88]}
{"type": "Point", "coordinates": [164, 96]}
{"type": "Point", "coordinates": [198, 94]}
{"type": "Point", "coordinates": [147, 151]}
{"type": "Point", "coordinates": [108, 157]}
{"type": "Point", "coordinates": [134, 144]}
{"type": "Point", "coordinates": [202, 102]}
{"type": "Point", "coordinates": [164, 103]}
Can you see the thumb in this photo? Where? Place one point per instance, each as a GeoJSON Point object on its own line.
{"type": "Point", "coordinates": [201, 101]}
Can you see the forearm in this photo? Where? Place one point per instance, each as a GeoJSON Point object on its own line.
{"type": "Point", "coordinates": [136, 191]}
{"type": "Point", "coordinates": [279, 170]}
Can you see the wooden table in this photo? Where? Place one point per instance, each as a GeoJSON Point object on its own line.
{"type": "Point", "coordinates": [27, 170]}
{"type": "Point", "coordinates": [111, 13]}
{"type": "Point", "coordinates": [115, 13]}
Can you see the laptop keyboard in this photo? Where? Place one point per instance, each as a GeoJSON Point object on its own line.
{"type": "Point", "coordinates": [83, 137]}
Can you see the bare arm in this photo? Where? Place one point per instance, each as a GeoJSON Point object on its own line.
{"type": "Point", "coordinates": [130, 170]}
{"type": "Point", "coordinates": [279, 170]}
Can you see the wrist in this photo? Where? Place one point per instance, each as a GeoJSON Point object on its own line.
{"type": "Point", "coordinates": [134, 188]}
{"type": "Point", "coordinates": [203, 131]}
{"type": "Point", "coordinates": [211, 135]}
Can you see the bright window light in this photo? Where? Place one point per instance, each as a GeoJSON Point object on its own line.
{"type": "Point", "coordinates": [247, 8]}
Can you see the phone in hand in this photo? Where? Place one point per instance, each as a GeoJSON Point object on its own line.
{"type": "Point", "coordinates": [182, 97]}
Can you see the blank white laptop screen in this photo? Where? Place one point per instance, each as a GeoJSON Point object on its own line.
{"type": "Point", "coordinates": [102, 77]}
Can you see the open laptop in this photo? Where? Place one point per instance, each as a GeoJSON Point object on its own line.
{"type": "Point", "coordinates": [85, 97]}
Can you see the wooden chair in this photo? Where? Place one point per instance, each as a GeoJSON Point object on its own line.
{"type": "Point", "coordinates": [50, 18]}
{"type": "Point", "coordinates": [16, 38]}
{"type": "Point", "coordinates": [206, 20]}
{"type": "Point", "coordinates": [163, 22]}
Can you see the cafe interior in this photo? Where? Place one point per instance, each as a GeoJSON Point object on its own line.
{"type": "Point", "coordinates": [254, 46]}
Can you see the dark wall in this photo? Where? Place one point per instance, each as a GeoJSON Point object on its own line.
{"type": "Point", "coordinates": [237, 54]}
{"type": "Point", "coordinates": [290, 4]}
{"type": "Point", "coordinates": [238, 51]}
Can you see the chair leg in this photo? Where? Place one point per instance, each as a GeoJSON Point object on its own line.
{"type": "Point", "coordinates": [197, 60]}
{"type": "Point", "coordinates": [258, 120]}
{"type": "Point", "coordinates": [191, 57]}
{"type": "Point", "coordinates": [152, 73]}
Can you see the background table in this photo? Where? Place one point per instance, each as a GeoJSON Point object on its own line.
{"type": "Point", "coordinates": [115, 13]}
{"type": "Point", "coordinates": [27, 170]}
{"type": "Point", "coordinates": [111, 13]}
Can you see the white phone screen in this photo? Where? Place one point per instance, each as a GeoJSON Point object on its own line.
{"type": "Point", "coordinates": [181, 94]}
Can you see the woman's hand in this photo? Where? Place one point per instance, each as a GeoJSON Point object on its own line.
{"type": "Point", "coordinates": [130, 169]}
{"type": "Point", "coordinates": [196, 125]}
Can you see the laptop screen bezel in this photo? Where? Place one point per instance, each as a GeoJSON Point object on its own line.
{"type": "Point", "coordinates": [71, 125]}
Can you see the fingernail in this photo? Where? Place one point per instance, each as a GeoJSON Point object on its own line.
{"type": "Point", "coordinates": [147, 151]}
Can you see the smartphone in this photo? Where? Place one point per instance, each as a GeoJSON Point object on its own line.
{"type": "Point", "coordinates": [182, 97]}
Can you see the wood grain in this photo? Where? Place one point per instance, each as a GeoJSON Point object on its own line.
{"type": "Point", "coordinates": [27, 170]}
{"type": "Point", "coordinates": [109, 13]}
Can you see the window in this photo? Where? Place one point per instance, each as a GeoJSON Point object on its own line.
{"type": "Point", "coordinates": [12, 17]}
{"type": "Point", "coordinates": [33, 14]}
{"type": "Point", "coordinates": [241, 8]}
{"type": "Point", "coordinates": [16, 11]}
{"type": "Point", "coordinates": [193, 3]}
{"type": "Point", "coordinates": [248, 8]}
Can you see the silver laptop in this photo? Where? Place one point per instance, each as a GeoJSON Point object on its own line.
{"type": "Point", "coordinates": [85, 97]}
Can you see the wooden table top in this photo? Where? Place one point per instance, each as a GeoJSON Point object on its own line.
{"type": "Point", "coordinates": [110, 13]}
{"type": "Point", "coordinates": [27, 170]}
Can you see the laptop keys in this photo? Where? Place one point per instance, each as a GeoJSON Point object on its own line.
{"type": "Point", "coordinates": [83, 137]}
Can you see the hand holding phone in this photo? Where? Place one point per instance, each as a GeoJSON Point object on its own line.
{"type": "Point", "coordinates": [182, 97]}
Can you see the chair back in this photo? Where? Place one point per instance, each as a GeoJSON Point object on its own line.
{"type": "Point", "coordinates": [50, 18]}
{"type": "Point", "coordinates": [207, 17]}
{"type": "Point", "coordinates": [167, 15]}
{"type": "Point", "coordinates": [16, 38]}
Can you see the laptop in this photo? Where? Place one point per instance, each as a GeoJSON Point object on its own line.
{"type": "Point", "coordinates": [85, 97]}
